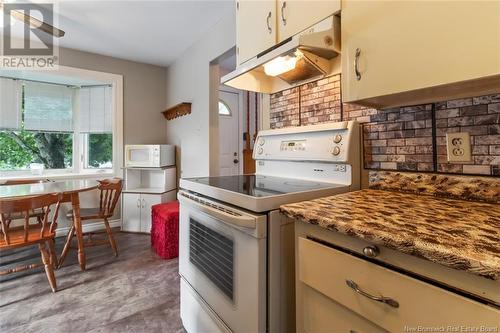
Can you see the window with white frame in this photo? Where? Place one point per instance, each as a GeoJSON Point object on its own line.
{"type": "Point", "coordinates": [64, 129]}
{"type": "Point", "coordinates": [224, 109]}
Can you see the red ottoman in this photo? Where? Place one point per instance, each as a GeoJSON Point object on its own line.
{"type": "Point", "coordinates": [165, 229]}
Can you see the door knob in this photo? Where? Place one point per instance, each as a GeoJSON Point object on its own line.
{"type": "Point", "coordinates": [236, 161]}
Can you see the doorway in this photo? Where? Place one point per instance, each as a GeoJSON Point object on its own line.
{"type": "Point", "coordinates": [236, 116]}
{"type": "Point", "coordinates": [229, 133]}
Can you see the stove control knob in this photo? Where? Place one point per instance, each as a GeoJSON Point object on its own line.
{"type": "Point", "coordinates": [336, 150]}
{"type": "Point", "coordinates": [261, 142]}
{"type": "Point", "coordinates": [337, 138]}
{"type": "Point", "coordinates": [260, 151]}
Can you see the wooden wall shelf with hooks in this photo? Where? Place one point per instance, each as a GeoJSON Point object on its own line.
{"type": "Point", "coordinates": [178, 110]}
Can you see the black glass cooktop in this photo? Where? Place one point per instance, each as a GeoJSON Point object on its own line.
{"type": "Point", "coordinates": [261, 186]}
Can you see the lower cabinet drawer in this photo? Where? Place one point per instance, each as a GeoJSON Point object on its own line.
{"type": "Point", "coordinates": [323, 315]}
{"type": "Point", "coordinates": [391, 300]}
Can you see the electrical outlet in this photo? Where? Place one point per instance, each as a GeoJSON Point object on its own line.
{"type": "Point", "coordinates": [458, 147]}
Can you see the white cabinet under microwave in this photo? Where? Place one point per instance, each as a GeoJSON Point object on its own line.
{"type": "Point", "coordinates": [149, 156]}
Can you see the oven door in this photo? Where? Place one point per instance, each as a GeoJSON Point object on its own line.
{"type": "Point", "coordinates": [222, 256]}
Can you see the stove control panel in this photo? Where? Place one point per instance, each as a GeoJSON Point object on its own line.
{"type": "Point", "coordinates": [293, 145]}
{"type": "Point", "coordinates": [331, 142]}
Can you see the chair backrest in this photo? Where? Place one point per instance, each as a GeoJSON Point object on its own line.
{"type": "Point", "coordinates": [111, 190]}
{"type": "Point", "coordinates": [23, 181]}
{"type": "Point", "coordinates": [15, 208]}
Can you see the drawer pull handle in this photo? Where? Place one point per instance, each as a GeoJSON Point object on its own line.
{"type": "Point", "coordinates": [387, 300]}
{"type": "Point", "coordinates": [356, 60]}
{"type": "Point", "coordinates": [269, 24]}
{"type": "Point", "coordinates": [283, 6]}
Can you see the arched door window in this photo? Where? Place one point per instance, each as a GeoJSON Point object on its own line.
{"type": "Point", "coordinates": [224, 109]}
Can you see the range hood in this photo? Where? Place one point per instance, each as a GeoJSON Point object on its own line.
{"type": "Point", "coordinates": [307, 56]}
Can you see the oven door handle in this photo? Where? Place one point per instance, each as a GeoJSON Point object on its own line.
{"type": "Point", "coordinates": [220, 214]}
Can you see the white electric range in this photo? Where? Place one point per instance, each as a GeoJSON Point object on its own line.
{"type": "Point", "coordinates": [236, 251]}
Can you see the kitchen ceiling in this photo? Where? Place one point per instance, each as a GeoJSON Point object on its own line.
{"type": "Point", "coordinates": [154, 32]}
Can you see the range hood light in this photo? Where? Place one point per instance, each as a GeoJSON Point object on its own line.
{"type": "Point", "coordinates": [280, 65]}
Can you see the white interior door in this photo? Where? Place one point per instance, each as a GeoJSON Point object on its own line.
{"type": "Point", "coordinates": [229, 160]}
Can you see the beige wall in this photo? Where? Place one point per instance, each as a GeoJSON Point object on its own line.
{"type": "Point", "coordinates": [144, 91]}
{"type": "Point", "coordinates": [188, 80]}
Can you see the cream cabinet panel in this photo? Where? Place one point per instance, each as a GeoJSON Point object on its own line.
{"type": "Point", "coordinates": [295, 16]}
{"type": "Point", "coordinates": [137, 209]}
{"type": "Point", "coordinates": [388, 299]}
{"type": "Point", "coordinates": [131, 212]}
{"type": "Point", "coordinates": [410, 45]}
{"type": "Point", "coordinates": [147, 201]}
{"type": "Point", "coordinates": [255, 27]}
{"type": "Point", "coordinates": [321, 314]}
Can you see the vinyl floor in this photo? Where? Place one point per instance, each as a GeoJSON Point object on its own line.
{"type": "Point", "coordinates": [135, 292]}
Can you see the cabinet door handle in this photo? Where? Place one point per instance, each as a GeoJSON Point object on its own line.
{"type": "Point", "coordinates": [138, 203]}
{"type": "Point", "coordinates": [386, 300]}
{"type": "Point", "coordinates": [268, 23]}
{"type": "Point", "coordinates": [143, 203]}
{"type": "Point", "coordinates": [283, 6]}
{"type": "Point", "coordinates": [356, 61]}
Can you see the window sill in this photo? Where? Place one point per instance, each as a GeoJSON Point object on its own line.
{"type": "Point", "coordinates": [60, 176]}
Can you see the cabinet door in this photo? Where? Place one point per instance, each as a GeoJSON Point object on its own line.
{"type": "Point", "coordinates": [148, 200]}
{"type": "Point", "coordinates": [131, 212]}
{"type": "Point", "coordinates": [296, 16]}
{"type": "Point", "coordinates": [255, 27]}
{"type": "Point", "coordinates": [409, 45]}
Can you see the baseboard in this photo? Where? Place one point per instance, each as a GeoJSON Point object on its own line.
{"type": "Point", "coordinates": [88, 227]}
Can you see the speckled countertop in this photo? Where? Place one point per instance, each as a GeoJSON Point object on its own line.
{"type": "Point", "coordinates": [464, 235]}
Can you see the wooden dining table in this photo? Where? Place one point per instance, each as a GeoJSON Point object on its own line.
{"type": "Point", "coordinates": [70, 189]}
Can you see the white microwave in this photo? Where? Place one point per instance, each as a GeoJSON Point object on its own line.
{"type": "Point", "coordinates": [149, 156]}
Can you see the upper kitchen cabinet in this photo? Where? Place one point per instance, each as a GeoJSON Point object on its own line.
{"type": "Point", "coordinates": [411, 52]}
{"type": "Point", "coordinates": [255, 27]}
{"type": "Point", "coordinates": [262, 24]}
{"type": "Point", "coordinates": [282, 44]}
{"type": "Point", "coordinates": [295, 16]}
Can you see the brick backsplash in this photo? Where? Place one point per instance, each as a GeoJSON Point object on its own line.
{"type": "Point", "coordinates": [480, 117]}
{"type": "Point", "coordinates": [400, 138]}
{"type": "Point", "coordinates": [318, 101]}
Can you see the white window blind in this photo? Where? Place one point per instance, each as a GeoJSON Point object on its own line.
{"type": "Point", "coordinates": [10, 104]}
{"type": "Point", "coordinates": [95, 110]}
{"type": "Point", "coordinates": [48, 107]}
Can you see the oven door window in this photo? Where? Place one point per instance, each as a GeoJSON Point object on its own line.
{"type": "Point", "coordinates": [213, 254]}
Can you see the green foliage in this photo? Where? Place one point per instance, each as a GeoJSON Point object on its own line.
{"type": "Point", "coordinates": [100, 150]}
{"type": "Point", "coordinates": [20, 148]}
{"type": "Point", "coordinates": [12, 155]}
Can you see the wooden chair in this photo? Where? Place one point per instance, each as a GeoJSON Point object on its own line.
{"type": "Point", "coordinates": [28, 234]}
{"type": "Point", "coordinates": [110, 191]}
{"type": "Point", "coordinates": [34, 213]}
